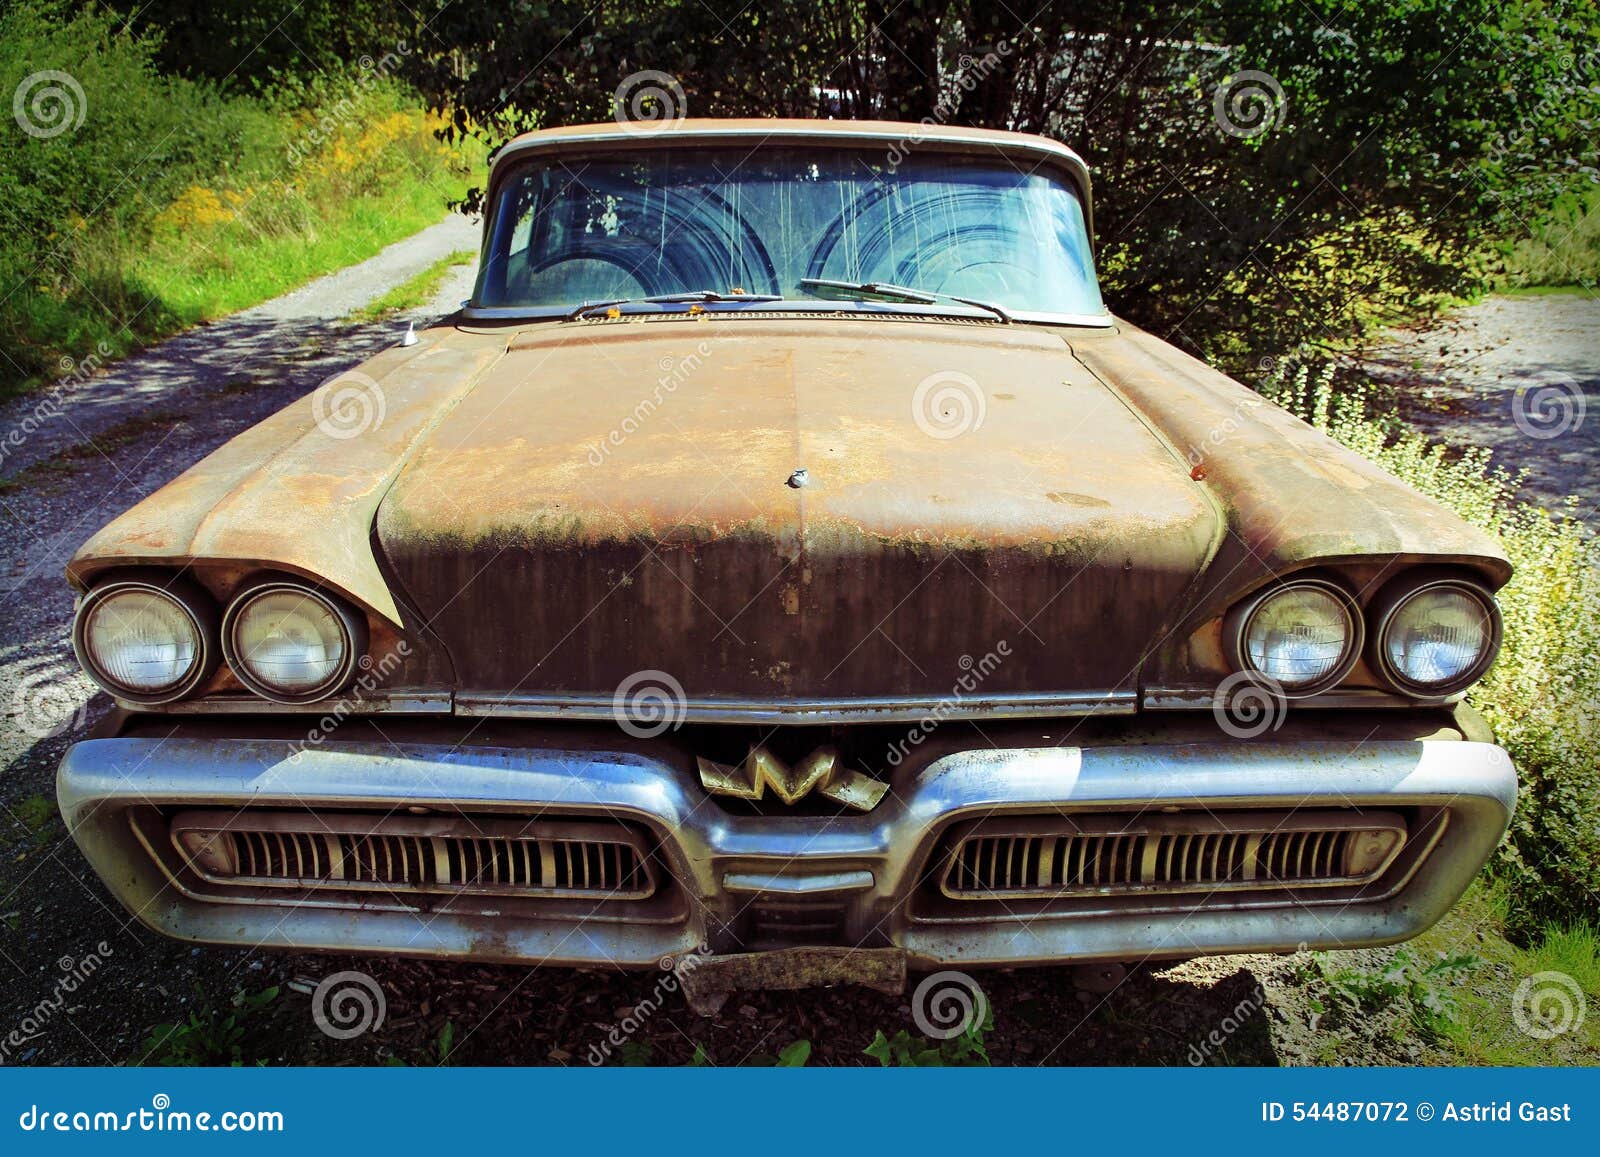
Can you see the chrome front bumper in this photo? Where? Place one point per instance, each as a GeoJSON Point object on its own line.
{"type": "Point", "coordinates": [871, 868]}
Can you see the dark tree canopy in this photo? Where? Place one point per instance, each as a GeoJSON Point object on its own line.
{"type": "Point", "coordinates": [1380, 147]}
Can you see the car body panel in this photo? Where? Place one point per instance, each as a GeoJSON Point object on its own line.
{"type": "Point", "coordinates": [299, 491]}
{"type": "Point", "coordinates": [553, 534]}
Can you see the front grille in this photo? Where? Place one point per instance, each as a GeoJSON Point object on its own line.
{"type": "Point", "coordinates": [784, 923]}
{"type": "Point", "coordinates": [1096, 855]}
{"type": "Point", "coordinates": [353, 851]}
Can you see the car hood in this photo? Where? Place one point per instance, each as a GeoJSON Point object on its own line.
{"type": "Point", "coordinates": [987, 513]}
{"type": "Point", "coordinates": [795, 507]}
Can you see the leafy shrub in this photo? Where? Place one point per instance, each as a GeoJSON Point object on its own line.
{"type": "Point", "coordinates": [964, 1050]}
{"type": "Point", "coordinates": [1422, 988]}
{"type": "Point", "coordinates": [213, 1034]}
{"type": "Point", "coordinates": [1542, 697]}
{"type": "Point", "coordinates": [1396, 140]}
{"type": "Point", "coordinates": [172, 202]}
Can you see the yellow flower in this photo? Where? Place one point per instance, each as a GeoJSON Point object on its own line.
{"type": "Point", "coordinates": [195, 206]}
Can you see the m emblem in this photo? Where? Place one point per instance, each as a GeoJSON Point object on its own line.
{"type": "Point", "coordinates": [820, 771]}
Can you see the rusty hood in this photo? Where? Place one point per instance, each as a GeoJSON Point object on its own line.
{"type": "Point", "coordinates": [794, 507]}
{"type": "Point", "coordinates": [800, 508]}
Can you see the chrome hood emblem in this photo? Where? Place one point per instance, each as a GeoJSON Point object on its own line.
{"type": "Point", "coordinates": [820, 772]}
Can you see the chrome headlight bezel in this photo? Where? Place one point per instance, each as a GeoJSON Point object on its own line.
{"type": "Point", "coordinates": [353, 628]}
{"type": "Point", "coordinates": [187, 597]}
{"type": "Point", "coordinates": [1237, 624]}
{"type": "Point", "coordinates": [1393, 598]}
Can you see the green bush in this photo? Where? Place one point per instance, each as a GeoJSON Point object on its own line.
{"type": "Point", "coordinates": [1543, 694]}
{"type": "Point", "coordinates": [163, 201]}
{"type": "Point", "coordinates": [1563, 249]}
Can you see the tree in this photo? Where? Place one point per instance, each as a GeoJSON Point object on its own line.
{"type": "Point", "coordinates": [1271, 175]}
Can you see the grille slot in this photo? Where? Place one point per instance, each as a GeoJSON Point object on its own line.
{"type": "Point", "coordinates": [352, 851]}
{"type": "Point", "coordinates": [780, 924]}
{"type": "Point", "coordinates": [1109, 854]}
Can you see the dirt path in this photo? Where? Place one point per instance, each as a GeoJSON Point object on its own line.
{"type": "Point", "coordinates": [117, 436]}
{"type": "Point", "coordinates": [1519, 375]}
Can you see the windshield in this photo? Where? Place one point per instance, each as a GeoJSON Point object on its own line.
{"type": "Point", "coordinates": [769, 220]}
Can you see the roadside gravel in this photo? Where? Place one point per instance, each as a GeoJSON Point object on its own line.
{"type": "Point", "coordinates": [1517, 375]}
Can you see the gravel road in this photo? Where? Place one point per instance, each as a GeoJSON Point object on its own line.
{"type": "Point", "coordinates": [112, 437]}
{"type": "Point", "coordinates": [1518, 375]}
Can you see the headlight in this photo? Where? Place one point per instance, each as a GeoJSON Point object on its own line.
{"type": "Point", "coordinates": [146, 641]}
{"type": "Point", "coordinates": [1303, 635]}
{"type": "Point", "coordinates": [291, 643]}
{"type": "Point", "coordinates": [1437, 638]}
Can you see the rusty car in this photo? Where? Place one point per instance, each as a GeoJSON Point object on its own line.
{"type": "Point", "coordinates": [785, 557]}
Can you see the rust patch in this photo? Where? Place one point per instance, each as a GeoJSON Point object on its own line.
{"type": "Point", "coordinates": [713, 979]}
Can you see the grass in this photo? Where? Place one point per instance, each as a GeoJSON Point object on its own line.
{"type": "Point", "coordinates": [174, 203]}
{"type": "Point", "coordinates": [1562, 250]}
{"type": "Point", "coordinates": [1486, 1031]}
{"type": "Point", "coordinates": [215, 1033]}
{"type": "Point", "coordinates": [414, 292]}
{"type": "Point", "coordinates": [1545, 291]}
{"type": "Point", "coordinates": [36, 813]}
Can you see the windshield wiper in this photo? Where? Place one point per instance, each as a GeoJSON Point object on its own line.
{"type": "Point", "coordinates": [692, 295]}
{"type": "Point", "coordinates": [901, 293]}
